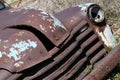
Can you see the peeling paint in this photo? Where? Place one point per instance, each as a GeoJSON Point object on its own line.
{"type": "Point", "coordinates": [103, 38]}
{"type": "Point", "coordinates": [52, 28]}
{"type": "Point", "coordinates": [7, 60]}
{"type": "Point", "coordinates": [18, 48]}
{"type": "Point", "coordinates": [16, 39]}
{"type": "Point", "coordinates": [5, 47]}
{"type": "Point", "coordinates": [108, 37]}
{"type": "Point", "coordinates": [21, 33]}
{"type": "Point", "coordinates": [50, 20]}
{"type": "Point", "coordinates": [0, 54]}
{"type": "Point", "coordinates": [57, 22]}
{"type": "Point", "coordinates": [43, 28]}
{"type": "Point", "coordinates": [84, 6]}
{"type": "Point", "coordinates": [19, 64]}
{"type": "Point", "coordinates": [45, 13]}
{"type": "Point", "coordinates": [44, 17]}
{"type": "Point", "coordinates": [33, 15]}
{"type": "Point", "coordinates": [30, 8]}
{"type": "Point", "coordinates": [6, 41]}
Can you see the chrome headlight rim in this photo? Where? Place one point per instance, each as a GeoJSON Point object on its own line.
{"type": "Point", "coordinates": [97, 19]}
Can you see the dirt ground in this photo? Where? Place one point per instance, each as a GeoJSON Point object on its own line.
{"type": "Point", "coordinates": [111, 8]}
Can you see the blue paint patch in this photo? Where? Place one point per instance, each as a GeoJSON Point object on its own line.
{"type": "Point", "coordinates": [43, 12]}
{"type": "Point", "coordinates": [85, 6]}
{"type": "Point", "coordinates": [18, 48]}
{"type": "Point", "coordinates": [0, 54]}
{"type": "Point", "coordinates": [57, 22]}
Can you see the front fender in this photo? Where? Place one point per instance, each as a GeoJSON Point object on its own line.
{"type": "Point", "coordinates": [21, 33]}
{"type": "Point", "coordinates": [47, 24]}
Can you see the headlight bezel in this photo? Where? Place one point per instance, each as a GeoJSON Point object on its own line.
{"type": "Point", "coordinates": [98, 14]}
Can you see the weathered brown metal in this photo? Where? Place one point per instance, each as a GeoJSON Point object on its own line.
{"type": "Point", "coordinates": [103, 67]}
{"type": "Point", "coordinates": [38, 19]}
{"type": "Point", "coordinates": [98, 56]}
{"type": "Point", "coordinates": [4, 74]}
{"type": "Point", "coordinates": [12, 32]}
{"type": "Point", "coordinates": [68, 45]}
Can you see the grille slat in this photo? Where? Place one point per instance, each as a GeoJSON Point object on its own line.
{"type": "Point", "coordinates": [84, 45]}
{"type": "Point", "coordinates": [89, 67]}
{"type": "Point", "coordinates": [62, 55]}
{"type": "Point", "coordinates": [88, 41]}
{"type": "Point", "coordinates": [72, 59]}
{"type": "Point", "coordinates": [75, 30]}
{"type": "Point", "coordinates": [80, 37]}
{"type": "Point", "coordinates": [42, 71]}
{"type": "Point", "coordinates": [74, 69]}
{"type": "Point", "coordinates": [95, 47]}
{"type": "Point", "coordinates": [72, 46]}
{"type": "Point", "coordinates": [98, 56]}
{"type": "Point", "coordinates": [64, 66]}
{"type": "Point", "coordinates": [85, 72]}
{"type": "Point", "coordinates": [57, 72]}
{"type": "Point", "coordinates": [56, 60]}
{"type": "Point", "coordinates": [67, 51]}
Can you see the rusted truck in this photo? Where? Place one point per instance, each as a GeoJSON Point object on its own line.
{"type": "Point", "coordinates": [74, 44]}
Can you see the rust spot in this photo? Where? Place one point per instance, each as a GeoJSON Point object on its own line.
{"type": "Point", "coordinates": [60, 47]}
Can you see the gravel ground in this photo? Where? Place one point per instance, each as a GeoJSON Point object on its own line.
{"type": "Point", "coordinates": [111, 8]}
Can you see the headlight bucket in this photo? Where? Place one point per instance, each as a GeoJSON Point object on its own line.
{"type": "Point", "coordinates": [96, 15]}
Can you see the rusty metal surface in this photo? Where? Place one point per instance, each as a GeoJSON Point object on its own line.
{"type": "Point", "coordinates": [70, 20]}
{"type": "Point", "coordinates": [17, 50]}
{"type": "Point", "coordinates": [38, 19]}
{"type": "Point", "coordinates": [4, 74]}
{"type": "Point", "coordinates": [103, 67]}
{"type": "Point", "coordinates": [21, 31]}
{"type": "Point", "coordinates": [71, 58]}
{"type": "Point", "coordinates": [37, 46]}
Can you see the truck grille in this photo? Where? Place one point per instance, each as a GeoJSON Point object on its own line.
{"type": "Point", "coordinates": [74, 60]}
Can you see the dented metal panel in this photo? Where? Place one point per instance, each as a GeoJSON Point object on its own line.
{"type": "Point", "coordinates": [70, 45]}
{"type": "Point", "coordinates": [47, 24]}
{"type": "Point", "coordinates": [4, 74]}
{"type": "Point", "coordinates": [21, 50]}
{"type": "Point", "coordinates": [103, 67]}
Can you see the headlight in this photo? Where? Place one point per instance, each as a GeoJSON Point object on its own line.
{"type": "Point", "coordinates": [96, 14]}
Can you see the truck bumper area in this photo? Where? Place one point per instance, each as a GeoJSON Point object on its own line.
{"type": "Point", "coordinates": [103, 67]}
{"type": "Point", "coordinates": [100, 69]}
